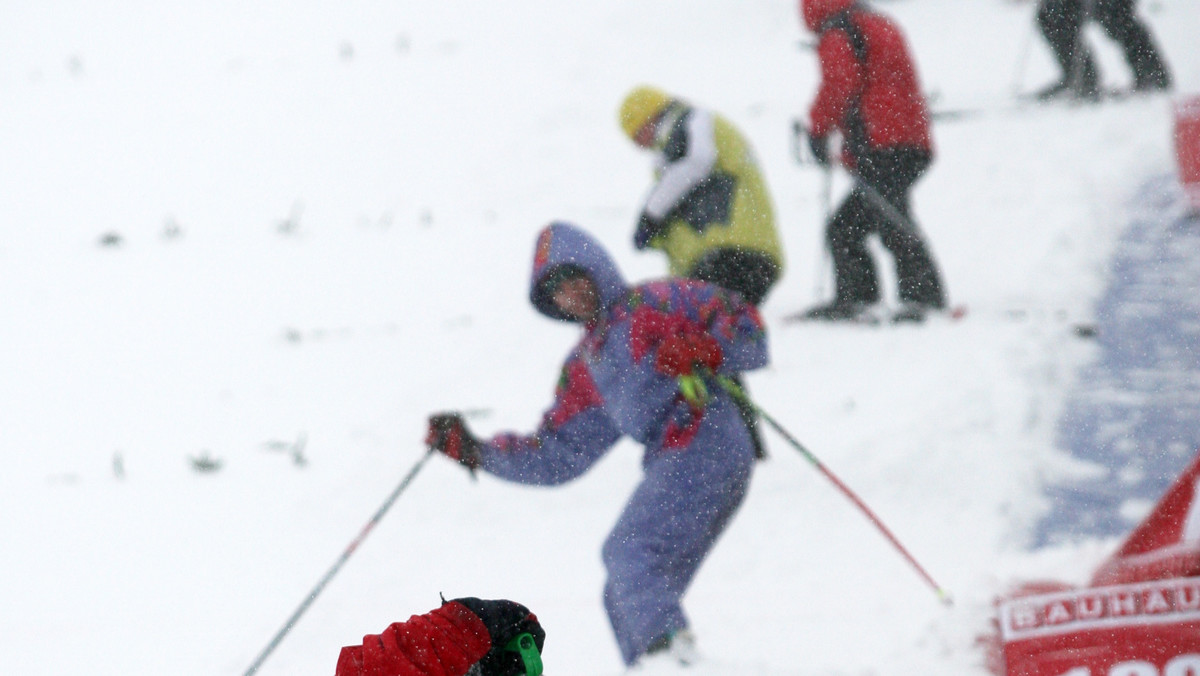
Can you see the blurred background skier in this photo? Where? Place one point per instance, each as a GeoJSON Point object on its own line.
{"type": "Point", "coordinates": [1061, 23]}
{"type": "Point", "coordinates": [643, 368]}
{"type": "Point", "coordinates": [870, 95]}
{"type": "Point", "coordinates": [709, 210]}
{"type": "Point", "coordinates": [463, 637]}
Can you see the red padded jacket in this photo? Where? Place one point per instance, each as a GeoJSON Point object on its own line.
{"type": "Point", "coordinates": [869, 87]}
{"type": "Point", "coordinates": [442, 642]}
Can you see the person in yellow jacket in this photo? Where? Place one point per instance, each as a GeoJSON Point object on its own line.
{"type": "Point", "coordinates": [709, 210]}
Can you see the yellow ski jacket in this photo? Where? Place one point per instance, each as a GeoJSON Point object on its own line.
{"type": "Point", "coordinates": [709, 191]}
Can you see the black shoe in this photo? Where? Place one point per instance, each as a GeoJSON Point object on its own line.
{"type": "Point", "coordinates": [1086, 89]}
{"type": "Point", "coordinates": [837, 311]}
{"type": "Point", "coordinates": [1155, 82]}
{"type": "Point", "coordinates": [1086, 93]}
{"type": "Point", "coordinates": [677, 649]}
{"type": "Point", "coordinates": [1052, 91]}
{"type": "Point", "coordinates": [911, 313]}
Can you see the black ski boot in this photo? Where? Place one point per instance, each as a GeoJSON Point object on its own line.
{"type": "Point", "coordinates": [1084, 86]}
{"type": "Point", "coordinates": [911, 313]}
{"type": "Point", "coordinates": [1153, 79]}
{"type": "Point", "coordinates": [837, 311]}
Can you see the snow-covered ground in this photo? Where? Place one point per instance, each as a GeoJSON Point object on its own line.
{"type": "Point", "coordinates": [325, 215]}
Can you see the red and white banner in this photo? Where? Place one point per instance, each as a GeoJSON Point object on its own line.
{"type": "Point", "coordinates": [1146, 629]}
{"type": "Point", "coordinates": [1187, 147]}
{"type": "Point", "coordinates": [1139, 617]}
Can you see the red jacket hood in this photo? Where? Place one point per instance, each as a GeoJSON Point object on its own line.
{"type": "Point", "coordinates": [815, 12]}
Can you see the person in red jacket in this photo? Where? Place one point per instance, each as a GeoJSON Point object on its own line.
{"type": "Point", "coordinates": [870, 95]}
{"type": "Point", "coordinates": [464, 637]}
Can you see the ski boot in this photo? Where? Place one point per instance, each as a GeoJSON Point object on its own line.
{"type": "Point", "coordinates": [837, 311]}
{"type": "Point", "coordinates": [673, 650]}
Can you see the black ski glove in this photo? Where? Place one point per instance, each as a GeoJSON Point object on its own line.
{"type": "Point", "coordinates": [448, 434]}
{"type": "Point", "coordinates": [648, 228]}
{"type": "Point", "coordinates": [505, 620]}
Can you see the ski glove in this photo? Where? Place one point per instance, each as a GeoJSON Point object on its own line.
{"type": "Point", "coordinates": [506, 621]}
{"type": "Point", "coordinates": [448, 434]}
{"type": "Point", "coordinates": [819, 145]}
{"type": "Point", "coordinates": [648, 228]}
{"type": "Point", "coordinates": [679, 355]}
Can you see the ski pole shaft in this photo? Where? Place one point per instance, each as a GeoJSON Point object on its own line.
{"type": "Point", "coordinates": [312, 595]}
{"type": "Point", "coordinates": [827, 193]}
{"type": "Point", "coordinates": [738, 393]}
{"type": "Point", "coordinates": [1022, 58]}
{"type": "Point", "coordinates": [798, 136]}
{"type": "Point", "coordinates": [890, 211]}
{"type": "Point", "coordinates": [823, 270]}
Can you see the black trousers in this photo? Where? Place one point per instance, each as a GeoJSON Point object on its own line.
{"type": "Point", "coordinates": [879, 205]}
{"type": "Point", "coordinates": [750, 273]}
{"type": "Point", "coordinates": [1061, 21]}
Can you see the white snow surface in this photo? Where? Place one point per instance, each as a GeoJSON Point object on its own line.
{"type": "Point", "coordinates": [326, 215]}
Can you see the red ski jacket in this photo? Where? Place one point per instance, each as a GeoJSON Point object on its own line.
{"type": "Point", "coordinates": [444, 642]}
{"type": "Point", "coordinates": [869, 88]}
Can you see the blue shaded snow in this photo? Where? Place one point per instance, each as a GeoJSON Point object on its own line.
{"type": "Point", "coordinates": [1134, 413]}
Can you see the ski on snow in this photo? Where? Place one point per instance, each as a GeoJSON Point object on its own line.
{"type": "Point", "coordinates": [1028, 103]}
{"type": "Point", "coordinates": [877, 315]}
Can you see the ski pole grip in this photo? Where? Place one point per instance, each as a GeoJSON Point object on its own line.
{"type": "Point", "coordinates": [524, 645]}
{"type": "Point", "coordinates": [693, 390]}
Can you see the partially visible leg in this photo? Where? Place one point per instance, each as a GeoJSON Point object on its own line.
{"type": "Point", "coordinates": [667, 528]}
{"type": "Point", "coordinates": [1061, 24]}
{"type": "Point", "coordinates": [892, 173]}
{"type": "Point", "coordinates": [854, 270]}
{"type": "Point", "coordinates": [916, 272]}
{"type": "Point", "coordinates": [642, 600]}
{"type": "Point", "coordinates": [1117, 19]}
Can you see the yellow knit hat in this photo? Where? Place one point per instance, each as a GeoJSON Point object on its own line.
{"type": "Point", "coordinates": [639, 107]}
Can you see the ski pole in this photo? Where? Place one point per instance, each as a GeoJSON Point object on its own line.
{"type": "Point", "coordinates": [1022, 57]}
{"type": "Point", "coordinates": [312, 595]}
{"type": "Point", "coordinates": [826, 193]}
{"type": "Point", "coordinates": [826, 215]}
{"type": "Point", "coordinates": [738, 393]}
{"type": "Point", "coordinates": [798, 135]}
{"type": "Point", "coordinates": [803, 157]}
{"type": "Point", "coordinates": [1079, 51]}
{"type": "Point", "coordinates": [890, 211]}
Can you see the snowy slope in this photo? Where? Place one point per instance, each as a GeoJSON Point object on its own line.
{"type": "Point", "coordinates": [326, 214]}
{"type": "Point", "coordinates": [1134, 411]}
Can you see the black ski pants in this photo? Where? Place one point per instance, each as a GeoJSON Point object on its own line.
{"type": "Point", "coordinates": [750, 273]}
{"type": "Point", "coordinates": [879, 205]}
{"type": "Point", "coordinates": [1061, 23]}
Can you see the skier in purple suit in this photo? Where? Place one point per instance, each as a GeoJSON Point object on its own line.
{"type": "Point", "coordinates": [643, 368]}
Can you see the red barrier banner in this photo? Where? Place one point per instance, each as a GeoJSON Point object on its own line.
{"type": "Point", "coordinates": [1145, 629]}
{"type": "Point", "coordinates": [1187, 147]}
